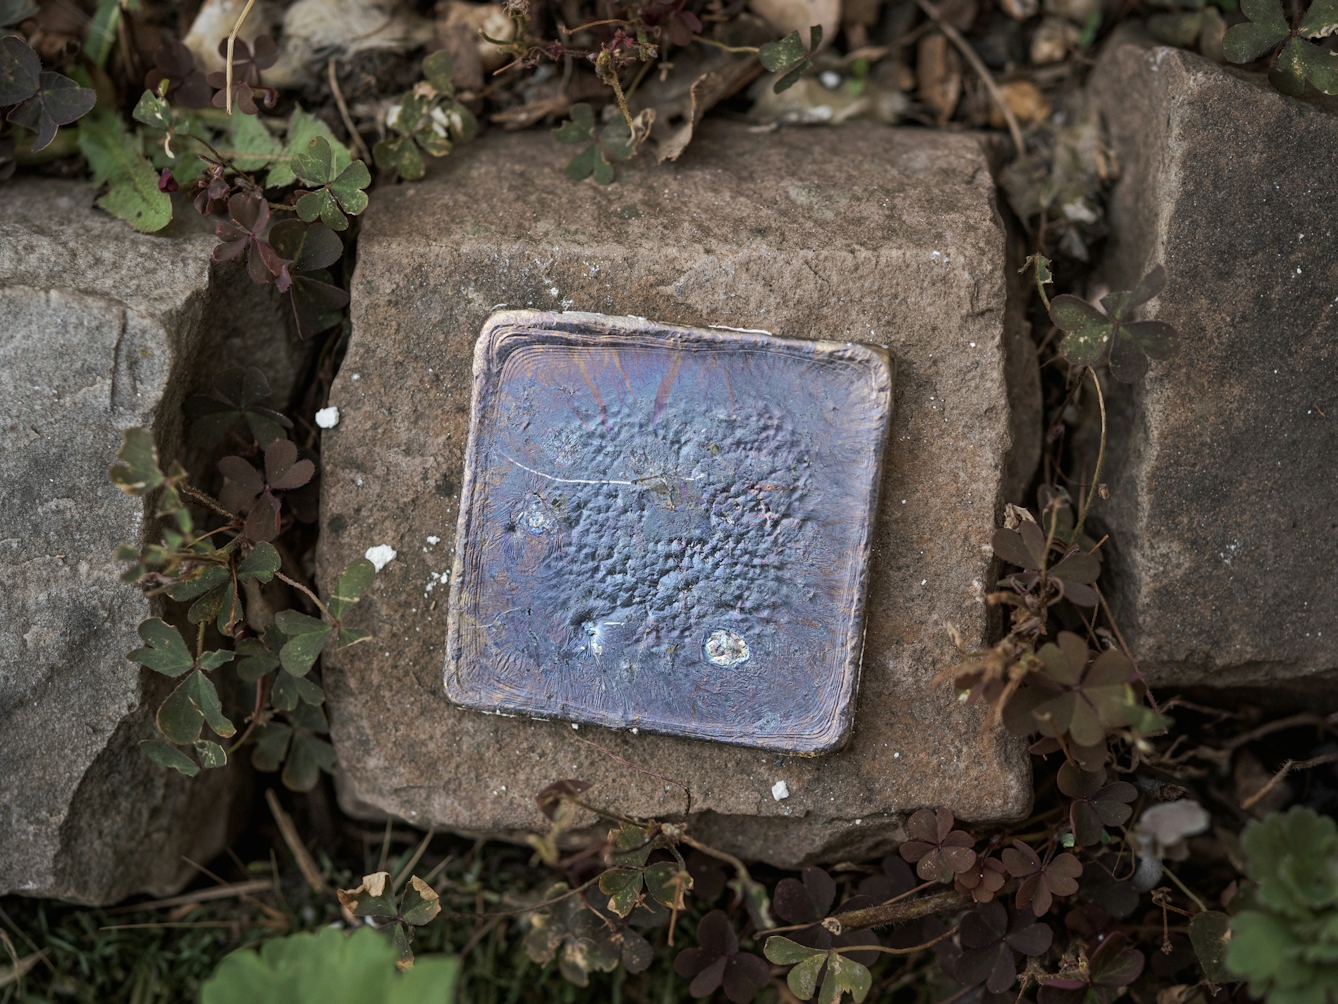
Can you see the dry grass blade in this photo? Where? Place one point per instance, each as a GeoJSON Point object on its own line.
{"type": "Point", "coordinates": [407, 870]}
{"type": "Point", "coordinates": [354, 136]}
{"type": "Point", "coordinates": [198, 896]}
{"type": "Point", "coordinates": [20, 967]}
{"type": "Point", "coordinates": [232, 41]}
{"type": "Point", "coordinates": [290, 837]}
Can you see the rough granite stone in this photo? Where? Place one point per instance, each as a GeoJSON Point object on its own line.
{"type": "Point", "coordinates": [1222, 514]}
{"type": "Point", "coordinates": [883, 236]}
{"type": "Point", "coordinates": [102, 329]}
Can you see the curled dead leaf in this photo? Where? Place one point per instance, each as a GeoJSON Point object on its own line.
{"type": "Point", "coordinates": [939, 75]}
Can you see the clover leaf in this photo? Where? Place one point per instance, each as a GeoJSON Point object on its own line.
{"type": "Point", "coordinates": [1075, 696]}
{"type": "Point", "coordinates": [167, 755]}
{"type": "Point", "coordinates": [20, 70]}
{"type": "Point", "coordinates": [585, 939]}
{"type": "Point", "coordinates": [303, 127]}
{"type": "Point", "coordinates": [614, 140]}
{"type": "Point", "coordinates": [289, 690]}
{"type": "Point", "coordinates": [298, 747]}
{"type": "Point", "coordinates": [427, 119]}
{"type": "Point", "coordinates": [1130, 343]}
{"type": "Point", "coordinates": [189, 707]}
{"type": "Point", "coordinates": [717, 962]}
{"type": "Point", "coordinates": [138, 472]}
{"type": "Point", "coordinates": [842, 974]}
{"type": "Point", "coordinates": [1096, 804]}
{"type": "Point", "coordinates": [789, 57]}
{"type": "Point", "coordinates": [989, 937]}
{"type": "Point", "coordinates": [14, 11]}
{"type": "Point", "coordinates": [936, 849]}
{"type": "Point", "coordinates": [257, 495]}
{"type": "Point", "coordinates": [1299, 60]}
{"type": "Point", "coordinates": [164, 651]}
{"type": "Point", "coordinates": [1113, 965]}
{"type": "Point", "coordinates": [1026, 546]}
{"type": "Point", "coordinates": [340, 189]}
{"type": "Point", "coordinates": [238, 394]}
{"type": "Point", "coordinates": [353, 581]}
{"type": "Point", "coordinates": [44, 101]}
{"type": "Point", "coordinates": [1041, 880]}
{"type": "Point", "coordinates": [306, 638]}
{"type": "Point", "coordinates": [309, 249]}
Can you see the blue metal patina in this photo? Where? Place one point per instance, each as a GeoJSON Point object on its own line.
{"type": "Point", "coordinates": [667, 528]}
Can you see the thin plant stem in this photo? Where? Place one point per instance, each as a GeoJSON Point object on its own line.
{"type": "Point", "coordinates": [353, 133]}
{"type": "Point", "coordinates": [232, 40]}
{"type": "Point", "coordinates": [1187, 890]}
{"type": "Point", "coordinates": [850, 949]}
{"type": "Point", "coordinates": [1100, 459]}
{"type": "Point", "coordinates": [314, 598]}
{"type": "Point", "coordinates": [622, 103]}
{"type": "Point", "coordinates": [722, 46]}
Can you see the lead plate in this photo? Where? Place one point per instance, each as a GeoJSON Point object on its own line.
{"type": "Point", "coordinates": [667, 528]}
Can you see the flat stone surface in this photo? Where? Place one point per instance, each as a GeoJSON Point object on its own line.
{"type": "Point", "coordinates": [883, 236]}
{"type": "Point", "coordinates": [1223, 514]}
{"type": "Point", "coordinates": [103, 329]}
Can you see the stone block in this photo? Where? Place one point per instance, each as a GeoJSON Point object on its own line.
{"type": "Point", "coordinates": [1222, 514]}
{"type": "Point", "coordinates": [881, 236]}
{"type": "Point", "coordinates": [102, 329]}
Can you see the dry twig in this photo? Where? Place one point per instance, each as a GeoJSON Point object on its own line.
{"type": "Point", "coordinates": [969, 54]}
{"type": "Point", "coordinates": [290, 837]}
{"type": "Point", "coordinates": [354, 136]}
{"type": "Point", "coordinates": [1286, 769]}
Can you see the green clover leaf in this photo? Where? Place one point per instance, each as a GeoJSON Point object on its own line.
{"type": "Point", "coordinates": [164, 651]}
{"type": "Point", "coordinates": [167, 755]}
{"type": "Point", "coordinates": [340, 189]}
{"type": "Point", "coordinates": [306, 637]}
{"type": "Point", "coordinates": [189, 707]}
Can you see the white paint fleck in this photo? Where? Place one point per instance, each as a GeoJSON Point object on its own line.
{"type": "Point", "coordinates": [327, 418]}
{"type": "Point", "coordinates": [780, 790]}
{"type": "Point", "coordinates": [381, 555]}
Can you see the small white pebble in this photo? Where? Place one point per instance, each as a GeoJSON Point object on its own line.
{"type": "Point", "coordinates": [327, 418]}
{"type": "Point", "coordinates": [924, 582]}
{"type": "Point", "coordinates": [634, 730]}
{"type": "Point", "coordinates": [896, 756]}
{"type": "Point", "coordinates": [434, 540]}
{"type": "Point", "coordinates": [858, 821]}
{"type": "Point", "coordinates": [780, 790]}
{"type": "Point", "coordinates": [357, 376]}
{"type": "Point", "coordinates": [574, 725]}
{"type": "Point", "coordinates": [381, 555]}
{"type": "Point", "coordinates": [829, 79]}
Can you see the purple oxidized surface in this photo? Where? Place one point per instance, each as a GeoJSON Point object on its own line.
{"type": "Point", "coordinates": [667, 528]}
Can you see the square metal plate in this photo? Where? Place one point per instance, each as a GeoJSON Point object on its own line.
{"type": "Point", "coordinates": [667, 528]}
